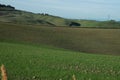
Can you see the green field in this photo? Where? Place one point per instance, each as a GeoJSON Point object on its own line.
{"type": "Point", "coordinates": [24, 62]}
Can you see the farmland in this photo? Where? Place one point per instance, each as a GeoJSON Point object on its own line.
{"type": "Point", "coordinates": [90, 40]}
{"type": "Point", "coordinates": [52, 53]}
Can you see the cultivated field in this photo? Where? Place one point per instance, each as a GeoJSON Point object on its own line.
{"type": "Point", "coordinates": [31, 62]}
{"type": "Point", "coordinates": [90, 40]}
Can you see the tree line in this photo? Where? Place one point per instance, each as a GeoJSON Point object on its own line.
{"type": "Point", "coordinates": [6, 6]}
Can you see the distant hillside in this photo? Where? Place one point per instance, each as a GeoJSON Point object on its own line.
{"type": "Point", "coordinates": [22, 17]}
{"type": "Point", "coordinates": [10, 14]}
{"type": "Point", "coordinates": [99, 24]}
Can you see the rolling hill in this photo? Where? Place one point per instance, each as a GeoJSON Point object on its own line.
{"type": "Point", "coordinates": [11, 15]}
{"type": "Point", "coordinates": [8, 14]}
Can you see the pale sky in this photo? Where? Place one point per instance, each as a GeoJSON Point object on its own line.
{"type": "Point", "coordinates": [73, 9]}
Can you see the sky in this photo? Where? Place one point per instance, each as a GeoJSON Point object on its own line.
{"type": "Point", "coordinates": [71, 9]}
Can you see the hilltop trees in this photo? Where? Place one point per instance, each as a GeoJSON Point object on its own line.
{"type": "Point", "coordinates": [6, 7]}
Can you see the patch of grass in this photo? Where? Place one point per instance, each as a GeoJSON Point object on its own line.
{"type": "Point", "coordinates": [28, 62]}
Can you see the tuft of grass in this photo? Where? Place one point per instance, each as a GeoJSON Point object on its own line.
{"type": "Point", "coordinates": [3, 72]}
{"type": "Point", "coordinates": [73, 77]}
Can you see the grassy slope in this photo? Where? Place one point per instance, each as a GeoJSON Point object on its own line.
{"type": "Point", "coordinates": [99, 24]}
{"type": "Point", "coordinates": [23, 62]}
{"type": "Point", "coordinates": [23, 17]}
{"type": "Point", "coordinates": [106, 41]}
{"type": "Point", "coordinates": [88, 23]}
